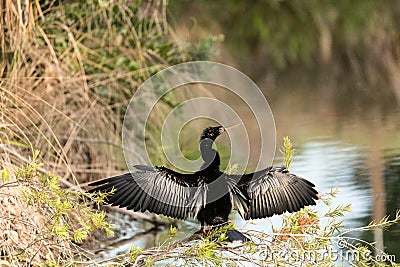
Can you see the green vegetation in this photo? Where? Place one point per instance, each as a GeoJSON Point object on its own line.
{"type": "Point", "coordinates": [284, 33]}
{"type": "Point", "coordinates": [287, 151]}
{"type": "Point", "coordinates": [134, 253]}
{"type": "Point", "coordinates": [43, 223]}
{"type": "Point", "coordinates": [304, 238]}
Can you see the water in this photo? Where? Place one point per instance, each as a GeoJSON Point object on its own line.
{"type": "Point", "coordinates": [356, 151]}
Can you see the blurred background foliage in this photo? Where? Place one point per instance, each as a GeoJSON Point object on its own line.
{"type": "Point", "coordinates": [328, 39]}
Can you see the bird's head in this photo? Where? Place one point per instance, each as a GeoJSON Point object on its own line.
{"type": "Point", "coordinates": [213, 132]}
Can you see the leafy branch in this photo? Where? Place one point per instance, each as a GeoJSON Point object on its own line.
{"type": "Point", "coordinates": [37, 213]}
{"type": "Point", "coordinates": [305, 238]}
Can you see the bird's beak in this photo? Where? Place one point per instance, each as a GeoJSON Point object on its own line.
{"type": "Point", "coordinates": [231, 127]}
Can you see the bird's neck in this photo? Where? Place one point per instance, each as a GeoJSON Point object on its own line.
{"type": "Point", "coordinates": [209, 155]}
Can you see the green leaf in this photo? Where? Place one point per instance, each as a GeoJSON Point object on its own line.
{"type": "Point", "coordinates": [288, 151]}
{"type": "Point", "coordinates": [5, 175]}
{"type": "Point", "coordinates": [134, 252]}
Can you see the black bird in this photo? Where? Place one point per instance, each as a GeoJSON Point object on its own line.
{"type": "Point", "coordinates": [209, 194]}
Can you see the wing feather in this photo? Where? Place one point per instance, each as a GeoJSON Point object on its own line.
{"type": "Point", "coordinates": [274, 191]}
{"type": "Point", "coordinates": [155, 189]}
{"type": "Point", "coordinates": [119, 200]}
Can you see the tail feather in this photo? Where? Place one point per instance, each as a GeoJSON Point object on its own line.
{"type": "Point", "coordinates": [235, 235]}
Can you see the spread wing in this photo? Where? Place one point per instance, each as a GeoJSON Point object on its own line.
{"type": "Point", "coordinates": [158, 190]}
{"type": "Point", "coordinates": [273, 191]}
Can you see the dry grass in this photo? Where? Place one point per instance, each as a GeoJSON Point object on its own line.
{"type": "Point", "coordinates": [68, 70]}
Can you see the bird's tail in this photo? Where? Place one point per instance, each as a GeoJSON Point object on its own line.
{"type": "Point", "coordinates": [235, 235]}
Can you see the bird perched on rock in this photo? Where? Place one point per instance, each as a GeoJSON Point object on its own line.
{"type": "Point", "coordinates": [209, 194]}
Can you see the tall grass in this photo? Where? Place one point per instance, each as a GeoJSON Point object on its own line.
{"type": "Point", "coordinates": [68, 70]}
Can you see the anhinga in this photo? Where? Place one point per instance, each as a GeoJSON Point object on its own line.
{"type": "Point", "coordinates": [209, 194]}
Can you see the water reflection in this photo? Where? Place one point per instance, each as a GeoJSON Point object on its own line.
{"type": "Point", "coordinates": [345, 140]}
{"type": "Point", "coordinates": [357, 152]}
